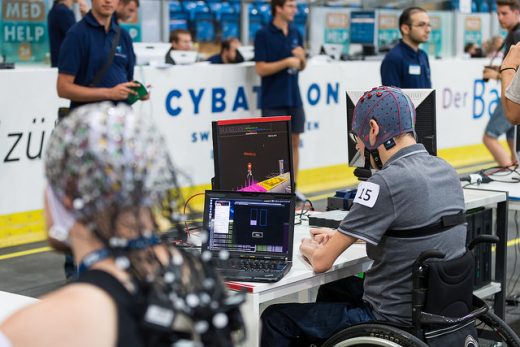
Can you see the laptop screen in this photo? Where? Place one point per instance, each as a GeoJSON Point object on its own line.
{"type": "Point", "coordinates": [249, 223]}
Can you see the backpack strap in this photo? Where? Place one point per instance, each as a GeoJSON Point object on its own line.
{"type": "Point", "coordinates": [102, 72]}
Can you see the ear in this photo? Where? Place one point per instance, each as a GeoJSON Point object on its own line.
{"type": "Point", "coordinates": [405, 29]}
{"type": "Point", "coordinates": [374, 131]}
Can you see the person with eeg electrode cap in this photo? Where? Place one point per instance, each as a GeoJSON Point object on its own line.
{"type": "Point", "coordinates": [392, 212]}
{"type": "Point", "coordinates": [108, 171]}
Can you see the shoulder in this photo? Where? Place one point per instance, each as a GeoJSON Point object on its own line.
{"type": "Point", "coordinates": [516, 36]}
{"type": "Point", "coordinates": [394, 55]}
{"type": "Point", "coordinates": [78, 310]}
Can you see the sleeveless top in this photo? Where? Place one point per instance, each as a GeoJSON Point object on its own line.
{"type": "Point", "coordinates": [129, 330]}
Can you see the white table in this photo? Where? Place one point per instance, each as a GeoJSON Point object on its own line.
{"type": "Point", "coordinates": [300, 278]}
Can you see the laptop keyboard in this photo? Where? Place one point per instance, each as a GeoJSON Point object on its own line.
{"type": "Point", "coordinates": [253, 270]}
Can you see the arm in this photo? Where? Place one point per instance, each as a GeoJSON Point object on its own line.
{"type": "Point", "coordinates": [77, 315]}
{"type": "Point", "coordinates": [511, 107]}
{"type": "Point", "coordinates": [265, 69]}
{"type": "Point", "coordinates": [390, 74]}
{"type": "Point", "coordinates": [299, 53]}
{"type": "Point", "coordinates": [322, 255]}
{"type": "Point", "coordinates": [69, 90]}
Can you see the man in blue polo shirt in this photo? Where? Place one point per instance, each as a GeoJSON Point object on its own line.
{"type": "Point", "coordinates": [407, 66]}
{"type": "Point", "coordinates": [85, 51]}
{"type": "Point", "coordinates": [279, 56]}
{"type": "Point", "coordinates": [59, 20]}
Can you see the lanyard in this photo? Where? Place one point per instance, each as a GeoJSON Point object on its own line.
{"type": "Point", "coordinates": [93, 258]}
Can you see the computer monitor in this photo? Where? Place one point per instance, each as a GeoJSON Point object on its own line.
{"type": "Point", "coordinates": [245, 53]}
{"type": "Point", "coordinates": [363, 27]}
{"type": "Point", "coordinates": [148, 52]}
{"type": "Point", "coordinates": [425, 120]}
{"type": "Point", "coordinates": [184, 57]}
{"type": "Point", "coordinates": [332, 50]}
{"type": "Point", "coordinates": [253, 155]}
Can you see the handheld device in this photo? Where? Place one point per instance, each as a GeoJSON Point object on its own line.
{"type": "Point", "coordinates": [141, 93]}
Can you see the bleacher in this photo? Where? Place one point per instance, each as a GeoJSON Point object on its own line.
{"type": "Point", "coordinates": [215, 20]}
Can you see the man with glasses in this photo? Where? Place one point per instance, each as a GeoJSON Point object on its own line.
{"type": "Point", "coordinates": [406, 65]}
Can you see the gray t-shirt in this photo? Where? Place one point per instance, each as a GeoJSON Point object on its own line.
{"type": "Point", "coordinates": [513, 91]}
{"type": "Point", "coordinates": [415, 189]}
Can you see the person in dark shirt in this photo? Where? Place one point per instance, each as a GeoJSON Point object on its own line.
{"type": "Point", "coordinates": [279, 57]}
{"type": "Point", "coordinates": [86, 50]}
{"type": "Point", "coordinates": [406, 65]}
{"type": "Point", "coordinates": [228, 52]}
{"type": "Point", "coordinates": [59, 20]}
{"type": "Point", "coordinates": [107, 171]}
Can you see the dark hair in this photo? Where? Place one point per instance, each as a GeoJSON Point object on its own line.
{"type": "Point", "coordinates": [126, 2]}
{"type": "Point", "coordinates": [174, 35]}
{"type": "Point", "coordinates": [276, 3]}
{"type": "Point", "coordinates": [226, 44]}
{"type": "Point", "coordinates": [513, 4]}
{"type": "Point", "coordinates": [404, 18]}
{"type": "Point", "coordinates": [468, 46]}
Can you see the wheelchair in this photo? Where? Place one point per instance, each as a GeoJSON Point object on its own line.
{"type": "Point", "coordinates": [444, 310]}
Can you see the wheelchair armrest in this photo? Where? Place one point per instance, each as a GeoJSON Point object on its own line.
{"type": "Point", "coordinates": [480, 308]}
{"type": "Point", "coordinates": [483, 239]}
{"type": "Point", "coordinates": [428, 254]}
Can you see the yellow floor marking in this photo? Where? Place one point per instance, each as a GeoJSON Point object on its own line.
{"type": "Point", "coordinates": [24, 253]}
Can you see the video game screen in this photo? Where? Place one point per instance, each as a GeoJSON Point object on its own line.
{"type": "Point", "coordinates": [253, 155]}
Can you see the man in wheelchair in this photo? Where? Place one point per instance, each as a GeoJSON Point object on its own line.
{"type": "Point", "coordinates": [412, 203]}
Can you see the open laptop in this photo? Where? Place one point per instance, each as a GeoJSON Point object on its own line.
{"type": "Point", "coordinates": [257, 229]}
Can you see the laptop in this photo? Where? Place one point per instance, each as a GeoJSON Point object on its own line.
{"type": "Point", "coordinates": [255, 229]}
{"type": "Point", "coordinates": [184, 57]}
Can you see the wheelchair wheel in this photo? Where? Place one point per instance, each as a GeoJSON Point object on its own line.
{"type": "Point", "coordinates": [373, 335]}
{"type": "Point", "coordinates": [500, 328]}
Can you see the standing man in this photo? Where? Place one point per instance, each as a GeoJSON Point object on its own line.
{"type": "Point", "coordinates": [126, 10]}
{"type": "Point", "coordinates": [508, 12]}
{"type": "Point", "coordinates": [406, 65]}
{"type": "Point", "coordinates": [228, 52]}
{"type": "Point", "coordinates": [83, 73]}
{"type": "Point", "coordinates": [59, 20]}
{"type": "Point", "coordinates": [180, 40]}
{"type": "Point", "coordinates": [279, 57]}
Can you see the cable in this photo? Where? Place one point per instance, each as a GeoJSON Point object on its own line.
{"type": "Point", "coordinates": [186, 227]}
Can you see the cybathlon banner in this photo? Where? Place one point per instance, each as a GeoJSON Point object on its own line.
{"type": "Point", "coordinates": [186, 99]}
{"type": "Point", "coordinates": [23, 28]}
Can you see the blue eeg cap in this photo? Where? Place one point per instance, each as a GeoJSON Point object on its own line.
{"type": "Point", "coordinates": [393, 111]}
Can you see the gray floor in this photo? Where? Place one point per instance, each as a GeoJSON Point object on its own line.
{"type": "Point", "coordinates": [37, 274]}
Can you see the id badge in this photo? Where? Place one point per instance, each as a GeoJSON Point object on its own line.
{"type": "Point", "coordinates": [414, 69]}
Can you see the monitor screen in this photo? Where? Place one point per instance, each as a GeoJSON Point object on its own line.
{"type": "Point", "coordinates": [363, 27]}
{"type": "Point", "coordinates": [253, 155]}
{"type": "Point", "coordinates": [332, 50]}
{"type": "Point", "coordinates": [241, 222]}
{"type": "Point", "coordinates": [425, 120]}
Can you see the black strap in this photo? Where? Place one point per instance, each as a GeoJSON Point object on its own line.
{"type": "Point", "coordinates": [101, 72]}
{"type": "Point", "coordinates": [445, 223]}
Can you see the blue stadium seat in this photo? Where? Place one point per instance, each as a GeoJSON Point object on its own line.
{"type": "Point", "coordinates": [203, 22]}
{"type": "Point", "coordinates": [255, 21]}
{"type": "Point", "coordinates": [265, 12]}
{"type": "Point", "coordinates": [178, 18]}
{"type": "Point", "coordinates": [230, 25]}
